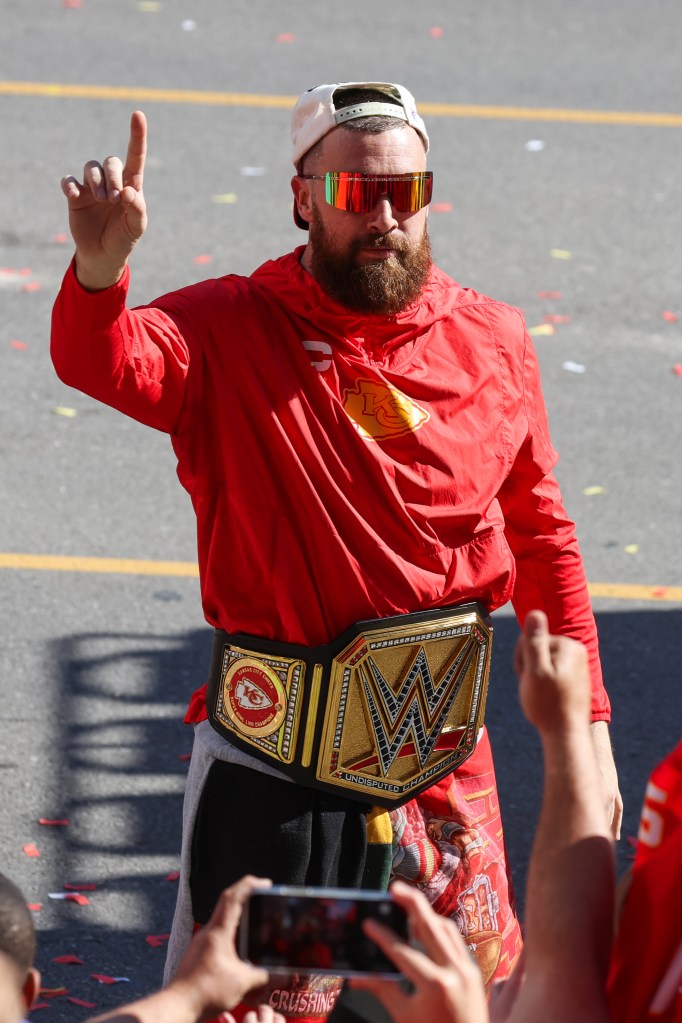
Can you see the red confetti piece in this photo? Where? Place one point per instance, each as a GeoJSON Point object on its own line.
{"type": "Point", "coordinates": [25, 271]}
{"type": "Point", "coordinates": [286, 37]}
{"type": "Point", "coordinates": [632, 840]}
{"type": "Point", "coordinates": [35, 907]}
{"type": "Point", "coordinates": [103, 978]}
{"type": "Point", "coordinates": [203, 259]}
{"type": "Point", "coordinates": [40, 1005]}
{"type": "Point", "coordinates": [68, 960]}
{"type": "Point", "coordinates": [32, 286]}
{"type": "Point", "coordinates": [173, 876]}
{"type": "Point", "coordinates": [52, 823]}
{"type": "Point", "coordinates": [436, 32]}
{"type": "Point", "coordinates": [31, 850]}
{"type": "Point", "coordinates": [668, 316]}
{"type": "Point", "coordinates": [185, 756]}
{"type": "Point", "coordinates": [79, 1001]}
{"type": "Point", "coordinates": [72, 3]}
{"type": "Point", "coordinates": [441, 207]}
{"type": "Point", "coordinates": [553, 318]}
{"type": "Point", "coordinates": [660, 592]}
{"type": "Point", "coordinates": [54, 992]}
{"type": "Point", "coordinates": [677, 369]}
{"type": "Point", "coordinates": [156, 940]}
{"type": "Point", "coordinates": [61, 239]}
{"type": "Point", "coordinates": [20, 346]}
{"type": "Point", "coordinates": [81, 900]}
{"type": "Point", "coordinates": [550, 294]}
{"type": "Point", "coordinates": [80, 887]}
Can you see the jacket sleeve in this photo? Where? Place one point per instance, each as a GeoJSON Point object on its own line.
{"type": "Point", "coordinates": [550, 574]}
{"type": "Point", "coordinates": [137, 361]}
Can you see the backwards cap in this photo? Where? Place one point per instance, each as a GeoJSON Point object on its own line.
{"type": "Point", "coordinates": [316, 114]}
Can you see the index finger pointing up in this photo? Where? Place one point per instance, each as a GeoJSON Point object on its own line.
{"type": "Point", "coordinates": [133, 171]}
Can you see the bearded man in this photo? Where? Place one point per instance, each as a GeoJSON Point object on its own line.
{"type": "Point", "coordinates": [364, 441]}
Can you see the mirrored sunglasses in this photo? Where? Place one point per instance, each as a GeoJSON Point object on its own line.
{"type": "Point", "coordinates": [359, 193]}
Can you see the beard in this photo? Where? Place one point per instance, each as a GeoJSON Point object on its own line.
{"type": "Point", "coordinates": [383, 286]}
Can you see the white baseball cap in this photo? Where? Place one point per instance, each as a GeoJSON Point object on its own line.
{"type": "Point", "coordinates": [315, 113]}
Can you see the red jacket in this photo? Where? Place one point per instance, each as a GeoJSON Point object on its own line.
{"type": "Point", "coordinates": [342, 466]}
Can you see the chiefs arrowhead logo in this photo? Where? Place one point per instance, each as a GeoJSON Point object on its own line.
{"type": "Point", "coordinates": [380, 411]}
{"type": "Point", "coordinates": [255, 700]}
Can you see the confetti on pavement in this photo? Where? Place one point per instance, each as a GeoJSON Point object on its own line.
{"type": "Point", "coordinates": [592, 491]}
{"type": "Point", "coordinates": [68, 960]}
{"type": "Point", "coordinates": [157, 940]}
{"type": "Point", "coordinates": [561, 254]}
{"type": "Point", "coordinates": [253, 172]}
{"type": "Point", "coordinates": [80, 887]}
{"type": "Point", "coordinates": [550, 294]}
{"type": "Point", "coordinates": [173, 876]}
{"type": "Point", "coordinates": [149, 6]}
{"type": "Point", "coordinates": [535, 145]}
{"type": "Point", "coordinates": [286, 37]}
{"type": "Point", "coordinates": [631, 548]}
{"type": "Point", "coordinates": [31, 850]}
{"type": "Point", "coordinates": [441, 207]}
{"type": "Point", "coordinates": [35, 907]}
{"type": "Point", "coordinates": [51, 823]}
{"type": "Point", "coordinates": [54, 992]}
{"type": "Point", "coordinates": [85, 1005]}
{"type": "Point", "coordinates": [63, 410]}
{"type": "Point", "coordinates": [225, 198]}
{"type": "Point", "coordinates": [677, 369]}
{"type": "Point", "coordinates": [541, 330]}
{"type": "Point", "coordinates": [436, 32]}
{"type": "Point", "coordinates": [203, 259]}
{"type": "Point", "coordinates": [19, 346]}
{"type": "Point", "coordinates": [554, 318]}
{"type": "Point", "coordinates": [574, 367]}
{"type": "Point", "coordinates": [188, 25]}
{"type": "Point", "coordinates": [77, 897]}
{"type": "Point", "coordinates": [669, 316]}
{"type": "Point", "coordinates": [102, 978]}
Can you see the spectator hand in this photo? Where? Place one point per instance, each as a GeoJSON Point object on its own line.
{"type": "Point", "coordinates": [554, 681]}
{"type": "Point", "coordinates": [211, 975]}
{"type": "Point", "coordinates": [448, 986]}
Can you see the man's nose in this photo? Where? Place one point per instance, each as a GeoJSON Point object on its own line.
{"type": "Point", "coordinates": [382, 218]}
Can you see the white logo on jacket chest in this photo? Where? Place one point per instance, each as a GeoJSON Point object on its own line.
{"type": "Point", "coordinates": [321, 352]}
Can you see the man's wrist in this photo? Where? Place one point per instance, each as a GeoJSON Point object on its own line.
{"type": "Point", "coordinates": [98, 278]}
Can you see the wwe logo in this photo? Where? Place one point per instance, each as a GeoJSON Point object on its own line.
{"type": "Point", "coordinates": [403, 711]}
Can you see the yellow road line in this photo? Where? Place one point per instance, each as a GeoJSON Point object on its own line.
{"type": "Point", "coordinates": [189, 569]}
{"type": "Point", "coordinates": [141, 94]}
{"type": "Point", "coordinates": [124, 566]}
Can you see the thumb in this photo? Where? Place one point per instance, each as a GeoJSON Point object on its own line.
{"type": "Point", "coordinates": [535, 625]}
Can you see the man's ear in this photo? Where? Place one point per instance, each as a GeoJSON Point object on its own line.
{"type": "Point", "coordinates": [31, 987]}
{"type": "Point", "coordinates": [302, 198]}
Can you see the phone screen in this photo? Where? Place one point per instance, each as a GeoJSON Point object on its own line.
{"type": "Point", "coordinates": [318, 933]}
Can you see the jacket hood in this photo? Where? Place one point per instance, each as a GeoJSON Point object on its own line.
{"type": "Point", "coordinates": [301, 294]}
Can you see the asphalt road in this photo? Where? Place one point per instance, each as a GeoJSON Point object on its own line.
{"type": "Point", "coordinates": [96, 666]}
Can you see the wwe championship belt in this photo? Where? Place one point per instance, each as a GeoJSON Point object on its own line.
{"type": "Point", "coordinates": [379, 715]}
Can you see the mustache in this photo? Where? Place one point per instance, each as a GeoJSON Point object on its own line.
{"type": "Point", "coordinates": [380, 241]}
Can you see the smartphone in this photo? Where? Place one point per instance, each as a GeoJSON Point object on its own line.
{"type": "Point", "coordinates": [318, 930]}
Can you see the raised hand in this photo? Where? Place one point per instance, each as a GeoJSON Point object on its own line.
{"type": "Point", "coordinates": [554, 681]}
{"type": "Point", "coordinates": [107, 211]}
